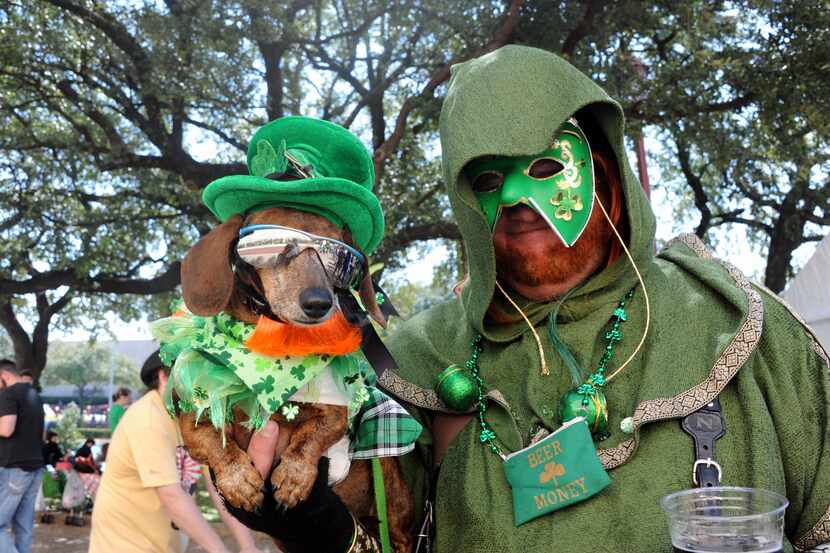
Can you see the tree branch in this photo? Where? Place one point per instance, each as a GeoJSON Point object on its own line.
{"type": "Point", "coordinates": [438, 76]}
{"type": "Point", "coordinates": [100, 284]}
{"type": "Point", "coordinates": [695, 183]}
{"type": "Point", "coordinates": [121, 37]}
{"type": "Point", "coordinates": [20, 339]}
{"type": "Point", "coordinates": [582, 28]}
{"type": "Point", "coordinates": [218, 132]}
{"type": "Point", "coordinates": [419, 233]}
{"type": "Point", "coordinates": [743, 221]}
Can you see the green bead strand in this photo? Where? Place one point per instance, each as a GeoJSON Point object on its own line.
{"type": "Point", "coordinates": [586, 399]}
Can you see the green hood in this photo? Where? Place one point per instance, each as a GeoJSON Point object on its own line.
{"type": "Point", "coordinates": [475, 122]}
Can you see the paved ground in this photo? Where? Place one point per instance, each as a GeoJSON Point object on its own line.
{"type": "Point", "coordinates": [60, 538]}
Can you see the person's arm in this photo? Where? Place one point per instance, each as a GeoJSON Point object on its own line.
{"type": "Point", "coordinates": [7, 425]}
{"type": "Point", "coordinates": [8, 413]}
{"type": "Point", "coordinates": [153, 446]}
{"type": "Point", "coordinates": [186, 515]}
{"type": "Point", "coordinates": [241, 533]}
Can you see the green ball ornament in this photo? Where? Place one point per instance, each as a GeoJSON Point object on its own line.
{"type": "Point", "coordinates": [595, 411]}
{"type": "Point", "coordinates": [456, 388]}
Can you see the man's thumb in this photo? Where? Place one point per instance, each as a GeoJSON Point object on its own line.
{"type": "Point", "coordinates": [262, 447]}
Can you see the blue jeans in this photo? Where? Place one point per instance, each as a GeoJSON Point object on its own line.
{"type": "Point", "coordinates": [18, 493]}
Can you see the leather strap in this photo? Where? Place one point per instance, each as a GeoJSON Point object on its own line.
{"type": "Point", "coordinates": [705, 426]}
{"type": "Point", "coordinates": [372, 346]}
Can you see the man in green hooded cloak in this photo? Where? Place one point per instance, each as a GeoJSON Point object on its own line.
{"type": "Point", "coordinates": [556, 387]}
{"type": "Point", "coordinates": [518, 128]}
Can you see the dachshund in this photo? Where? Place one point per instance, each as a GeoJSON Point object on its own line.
{"type": "Point", "coordinates": [298, 292]}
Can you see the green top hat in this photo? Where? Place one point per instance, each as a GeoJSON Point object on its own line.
{"type": "Point", "coordinates": [333, 173]}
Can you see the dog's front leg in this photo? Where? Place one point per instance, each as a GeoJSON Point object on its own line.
{"type": "Point", "coordinates": [295, 475]}
{"type": "Point", "coordinates": [236, 478]}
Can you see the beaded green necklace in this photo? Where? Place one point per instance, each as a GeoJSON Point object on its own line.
{"type": "Point", "coordinates": [586, 400]}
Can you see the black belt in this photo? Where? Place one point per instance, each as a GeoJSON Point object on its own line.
{"type": "Point", "coordinates": [705, 426]}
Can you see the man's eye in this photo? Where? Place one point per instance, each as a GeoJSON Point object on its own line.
{"type": "Point", "coordinates": [544, 168]}
{"type": "Point", "coordinates": [488, 181]}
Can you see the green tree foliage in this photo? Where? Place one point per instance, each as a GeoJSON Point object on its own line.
{"type": "Point", "coordinates": [117, 115]}
{"type": "Point", "coordinates": [6, 349]}
{"type": "Point", "coordinates": [68, 428]}
{"type": "Point", "coordinates": [85, 365]}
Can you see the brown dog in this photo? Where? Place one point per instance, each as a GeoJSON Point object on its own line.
{"type": "Point", "coordinates": [297, 291]}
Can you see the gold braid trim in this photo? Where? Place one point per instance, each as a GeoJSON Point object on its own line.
{"type": "Point", "coordinates": [821, 353]}
{"type": "Point", "coordinates": [818, 534]}
{"type": "Point", "coordinates": [411, 393]}
{"type": "Point", "coordinates": [363, 541]}
{"type": "Point", "coordinates": [726, 366]}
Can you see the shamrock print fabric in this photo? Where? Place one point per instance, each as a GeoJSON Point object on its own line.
{"type": "Point", "coordinates": [213, 371]}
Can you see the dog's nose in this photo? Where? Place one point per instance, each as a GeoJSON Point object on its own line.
{"type": "Point", "coordinates": [315, 302]}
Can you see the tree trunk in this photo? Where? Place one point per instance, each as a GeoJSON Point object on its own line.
{"type": "Point", "coordinates": [30, 352]}
{"type": "Point", "coordinates": [782, 244]}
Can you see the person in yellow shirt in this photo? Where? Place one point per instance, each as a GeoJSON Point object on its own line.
{"type": "Point", "coordinates": [140, 496]}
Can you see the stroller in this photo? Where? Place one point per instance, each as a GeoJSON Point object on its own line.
{"type": "Point", "coordinates": [78, 496]}
{"type": "Point", "coordinates": [82, 483]}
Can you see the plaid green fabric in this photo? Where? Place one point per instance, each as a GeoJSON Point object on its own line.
{"type": "Point", "coordinates": [383, 428]}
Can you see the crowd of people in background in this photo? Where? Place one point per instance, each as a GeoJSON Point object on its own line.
{"type": "Point", "coordinates": [139, 484]}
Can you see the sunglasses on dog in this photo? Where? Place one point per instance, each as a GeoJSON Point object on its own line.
{"type": "Point", "coordinates": [266, 246]}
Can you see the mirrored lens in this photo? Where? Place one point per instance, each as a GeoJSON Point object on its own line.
{"type": "Point", "coordinates": [267, 246]}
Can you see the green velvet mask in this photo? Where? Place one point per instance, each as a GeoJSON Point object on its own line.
{"type": "Point", "coordinates": [557, 183]}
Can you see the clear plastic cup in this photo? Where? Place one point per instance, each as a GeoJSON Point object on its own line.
{"type": "Point", "coordinates": [725, 520]}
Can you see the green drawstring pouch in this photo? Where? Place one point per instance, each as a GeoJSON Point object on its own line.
{"type": "Point", "coordinates": [555, 472]}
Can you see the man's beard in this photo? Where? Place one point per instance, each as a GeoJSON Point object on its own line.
{"type": "Point", "coordinates": [552, 262]}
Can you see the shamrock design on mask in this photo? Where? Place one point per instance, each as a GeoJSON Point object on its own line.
{"type": "Point", "coordinates": [566, 203]}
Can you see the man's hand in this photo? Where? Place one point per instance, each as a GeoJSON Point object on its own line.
{"type": "Point", "coordinates": [263, 448]}
{"type": "Point", "coordinates": [321, 523]}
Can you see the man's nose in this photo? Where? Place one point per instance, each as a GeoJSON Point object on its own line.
{"type": "Point", "coordinates": [515, 188]}
{"type": "Point", "coordinates": [521, 212]}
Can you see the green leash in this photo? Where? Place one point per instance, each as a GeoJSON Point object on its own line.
{"type": "Point", "coordinates": [380, 503]}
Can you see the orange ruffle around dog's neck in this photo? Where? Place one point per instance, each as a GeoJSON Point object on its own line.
{"type": "Point", "coordinates": [334, 337]}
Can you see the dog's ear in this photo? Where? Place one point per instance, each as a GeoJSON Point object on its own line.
{"type": "Point", "coordinates": [368, 298]}
{"type": "Point", "coordinates": [207, 279]}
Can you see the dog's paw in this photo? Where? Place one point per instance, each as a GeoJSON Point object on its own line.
{"type": "Point", "coordinates": [293, 480]}
{"type": "Point", "coordinates": [241, 485]}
